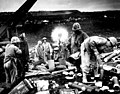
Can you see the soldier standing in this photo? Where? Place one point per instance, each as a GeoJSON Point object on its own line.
{"type": "Point", "coordinates": [74, 44]}
{"type": "Point", "coordinates": [47, 49]}
{"type": "Point", "coordinates": [10, 60]}
{"type": "Point", "coordinates": [39, 54]}
{"type": "Point", "coordinates": [77, 37]}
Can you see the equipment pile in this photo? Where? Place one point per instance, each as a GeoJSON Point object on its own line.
{"type": "Point", "coordinates": [66, 80]}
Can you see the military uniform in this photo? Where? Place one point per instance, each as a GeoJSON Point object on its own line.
{"type": "Point", "coordinates": [47, 51]}
{"type": "Point", "coordinates": [39, 54]}
{"type": "Point", "coordinates": [76, 38]}
{"type": "Point", "coordinates": [75, 41]}
{"type": "Point", "coordinates": [11, 51]}
{"type": "Point", "coordinates": [91, 49]}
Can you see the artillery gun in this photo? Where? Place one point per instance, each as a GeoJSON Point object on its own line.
{"type": "Point", "coordinates": [8, 29]}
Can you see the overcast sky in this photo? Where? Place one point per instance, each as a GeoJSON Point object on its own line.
{"type": "Point", "coordinates": [81, 5]}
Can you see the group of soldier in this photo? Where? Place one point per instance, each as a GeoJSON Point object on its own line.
{"type": "Point", "coordinates": [42, 52]}
{"type": "Point", "coordinates": [82, 50]}
{"type": "Point", "coordinates": [88, 49]}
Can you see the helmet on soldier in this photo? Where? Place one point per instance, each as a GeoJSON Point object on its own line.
{"type": "Point", "coordinates": [44, 38]}
{"type": "Point", "coordinates": [15, 39]}
{"type": "Point", "coordinates": [39, 42]}
{"type": "Point", "coordinates": [113, 41]}
{"type": "Point", "coordinates": [76, 26]}
{"type": "Point", "coordinates": [56, 49]}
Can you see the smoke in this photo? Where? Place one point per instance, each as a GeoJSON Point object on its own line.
{"type": "Point", "coordinates": [59, 33]}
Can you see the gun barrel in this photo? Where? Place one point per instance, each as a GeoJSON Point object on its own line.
{"type": "Point", "coordinates": [16, 17]}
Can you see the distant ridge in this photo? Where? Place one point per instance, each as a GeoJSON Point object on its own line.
{"type": "Point", "coordinates": [61, 11]}
{"type": "Point", "coordinates": [62, 14]}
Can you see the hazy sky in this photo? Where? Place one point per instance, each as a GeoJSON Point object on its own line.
{"type": "Point", "coordinates": [82, 5]}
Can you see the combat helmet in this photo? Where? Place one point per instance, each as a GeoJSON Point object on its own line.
{"type": "Point", "coordinates": [15, 39]}
{"type": "Point", "coordinates": [39, 42]}
{"type": "Point", "coordinates": [44, 38]}
{"type": "Point", "coordinates": [76, 26]}
{"type": "Point", "coordinates": [113, 41]}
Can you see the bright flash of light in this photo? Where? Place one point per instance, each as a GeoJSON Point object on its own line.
{"type": "Point", "coordinates": [59, 34]}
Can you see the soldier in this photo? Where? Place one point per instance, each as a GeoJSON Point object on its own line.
{"type": "Point", "coordinates": [39, 54]}
{"type": "Point", "coordinates": [47, 49]}
{"type": "Point", "coordinates": [10, 60]}
{"type": "Point", "coordinates": [56, 54]}
{"type": "Point", "coordinates": [91, 50]}
{"type": "Point", "coordinates": [77, 37]}
{"type": "Point", "coordinates": [39, 49]}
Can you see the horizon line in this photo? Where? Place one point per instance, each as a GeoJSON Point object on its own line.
{"type": "Point", "coordinates": [66, 10]}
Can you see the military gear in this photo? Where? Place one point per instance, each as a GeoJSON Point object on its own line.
{"type": "Point", "coordinates": [91, 50]}
{"type": "Point", "coordinates": [113, 40]}
{"type": "Point", "coordinates": [10, 62]}
{"type": "Point", "coordinates": [76, 26]}
{"type": "Point", "coordinates": [15, 39]}
{"type": "Point", "coordinates": [56, 49]}
{"type": "Point", "coordinates": [44, 38]}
